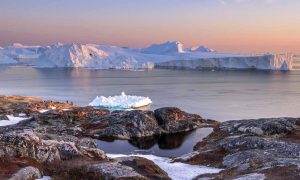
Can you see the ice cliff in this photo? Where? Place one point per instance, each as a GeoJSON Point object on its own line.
{"type": "Point", "coordinates": [261, 62]}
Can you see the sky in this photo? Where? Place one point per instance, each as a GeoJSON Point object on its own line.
{"type": "Point", "coordinates": [224, 25]}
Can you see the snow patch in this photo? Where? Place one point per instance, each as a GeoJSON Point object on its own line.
{"type": "Point", "coordinates": [43, 110]}
{"type": "Point", "coordinates": [12, 120]}
{"type": "Point", "coordinates": [122, 101]}
{"type": "Point", "coordinates": [45, 178]}
{"type": "Point", "coordinates": [175, 170]}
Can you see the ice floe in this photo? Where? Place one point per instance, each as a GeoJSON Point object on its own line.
{"type": "Point", "coordinates": [123, 101]}
{"type": "Point", "coordinates": [175, 170]}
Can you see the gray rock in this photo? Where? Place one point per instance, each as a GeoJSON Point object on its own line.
{"type": "Point", "coordinates": [124, 125]}
{"type": "Point", "coordinates": [29, 144]}
{"type": "Point", "coordinates": [115, 170]}
{"type": "Point", "coordinates": [26, 174]}
{"type": "Point", "coordinates": [173, 120]}
{"type": "Point", "coordinates": [270, 126]}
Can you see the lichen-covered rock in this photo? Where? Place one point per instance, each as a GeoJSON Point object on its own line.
{"type": "Point", "coordinates": [124, 125]}
{"type": "Point", "coordinates": [29, 144]}
{"type": "Point", "coordinates": [115, 170]}
{"type": "Point", "coordinates": [268, 126]}
{"type": "Point", "coordinates": [264, 146]}
{"type": "Point", "coordinates": [26, 173]}
{"type": "Point", "coordinates": [144, 166]}
{"type": "Point", "coordinates": [173, 120]}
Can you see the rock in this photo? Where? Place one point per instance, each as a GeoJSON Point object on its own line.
{"type": "Point", "coordinates": [3, 117]}
{"type": "Point", "coordinates": [26, 173]}
{"type": "Point", "coordinates": [29, 144]}
{"type": "Point", "coordinates": [246, 147]}
{"type": "Point", "coordinates": [115, 170]}
{"type": "Point", "coordinates": [124, 125]}
{"type": "Point", "coordinates": [144, 166]}
{"type": "Point", "coordinates": [173, 120]}
{"type": "Point", "coordinates": [271, 126]}
{"type": "Point", "coordinates": [252, 176]}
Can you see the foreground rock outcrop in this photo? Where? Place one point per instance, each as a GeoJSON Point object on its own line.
{"type": "Point", "coordinates": [267, 148]}
{"type": "Point", "coordinates": [59, 140]}
{"type": "Point", "coordinates": [141, 124]}
{"type": "Point", "coordinates": [56, 139]}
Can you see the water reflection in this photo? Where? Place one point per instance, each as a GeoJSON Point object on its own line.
{"type": "Point", "coordinates": [165, 145]}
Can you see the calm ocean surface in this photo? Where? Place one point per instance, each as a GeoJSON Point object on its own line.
{"type": "Point", "coordinates": [220, 95]}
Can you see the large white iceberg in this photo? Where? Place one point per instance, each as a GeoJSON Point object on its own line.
{"type": "Point", "coordinates": [169, 54]}
{"type": "Point", "coordinates": [123, 101]}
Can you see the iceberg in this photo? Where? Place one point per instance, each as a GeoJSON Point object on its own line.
{"type": "Point", "coordinates": [164, 48]}
{"type": "Point", "coordinates": [121, 102]}
{"type": "Point", "coordinates": [19, 51]}
{"type": "Point", "coordinates": [5, 59]}
{"type": "Point", "coordinates": [201, 49]}
{"type": "Point", "coordinates": [165, 55]}
{"type": "Point", "coordinates": [282, 62]}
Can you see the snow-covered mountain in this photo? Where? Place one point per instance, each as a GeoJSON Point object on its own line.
{"type": "Point", "coordinates": [107, 57]}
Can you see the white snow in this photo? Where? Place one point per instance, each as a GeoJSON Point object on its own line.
{"type": "Point", "coordinates": [12, 120]}
{"type": "Point", "coordinates": [43, 110]}
{"type": "Point", "coordinates": [122, 101]}
{"type": "Point", "coordinates": [168, 54]}
{"type": "Point", "coordinates": [175, 170]}
{"type": "Point", "coordinates": [45, 178]}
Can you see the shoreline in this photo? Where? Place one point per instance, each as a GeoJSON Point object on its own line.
{"type": "Point", "coordinates": [66, 134]}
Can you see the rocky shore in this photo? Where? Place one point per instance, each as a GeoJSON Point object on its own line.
{"type": "Point", "coordinates": [59, 140]}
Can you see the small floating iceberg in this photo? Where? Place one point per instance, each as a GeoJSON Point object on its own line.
{"type": "Point", "coordinates": [122, 102]}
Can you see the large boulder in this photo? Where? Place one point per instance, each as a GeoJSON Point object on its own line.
{"type": "Point", "coordinates": [124, 125]}
{"type": "Point", "coordinates": [31, 145]}
{"type": "Point", "coordinates": [27, 173]}
{"type": "Point", "coordinates": [174, 120]}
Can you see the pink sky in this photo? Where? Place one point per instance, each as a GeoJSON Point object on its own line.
{"type": "Point", "coordinates": [224, 25]}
